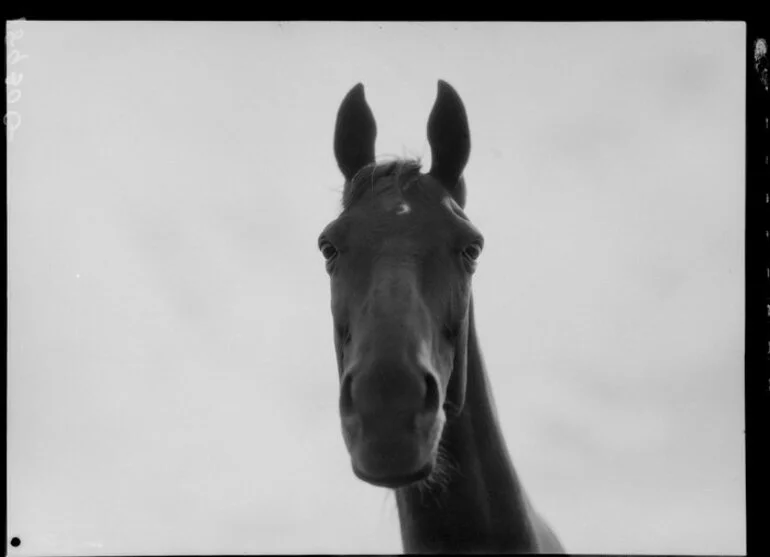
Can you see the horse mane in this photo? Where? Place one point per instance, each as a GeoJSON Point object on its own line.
{"type": "Point", "coordinates": [404, 171]}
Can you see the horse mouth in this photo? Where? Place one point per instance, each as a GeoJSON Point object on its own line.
{"type": "Point", "coordinates": [395, 481]}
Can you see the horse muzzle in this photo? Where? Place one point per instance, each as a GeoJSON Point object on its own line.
{"type": "Point", "coordinates": [391, 422]}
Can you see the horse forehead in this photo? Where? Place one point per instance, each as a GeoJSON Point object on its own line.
{"type": "Point", "coordinates": [418, 205]}
{"type": "Point", "coordinates": [394, 202]}
{"type": "Point", "coordinates": [410, 214]}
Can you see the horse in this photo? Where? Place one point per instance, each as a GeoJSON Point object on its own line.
{"type": "Point", "coordinates": [415, 401]}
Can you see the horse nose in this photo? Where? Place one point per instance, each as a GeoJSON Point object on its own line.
{"type": "Point", "coordinates": [397, 394]}
{"type": "Point", "coordinates": [390, 421]}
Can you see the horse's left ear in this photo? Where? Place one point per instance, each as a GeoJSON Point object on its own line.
{"type": "Point", "coordinates": [450, 140]}
{"type": "Point", "coordinates": [355, 133]}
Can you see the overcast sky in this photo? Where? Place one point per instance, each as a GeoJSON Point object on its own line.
{"type": "Point", "coordinates": [172, 383]}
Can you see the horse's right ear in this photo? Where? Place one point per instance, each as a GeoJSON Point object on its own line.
{"type": "Point", "coordinates": [355, 133]}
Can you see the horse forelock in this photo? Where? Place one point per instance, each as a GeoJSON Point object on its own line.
{"type": "Point", "coordinates": [371, 179]}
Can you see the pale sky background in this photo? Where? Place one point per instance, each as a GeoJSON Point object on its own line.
{"type": "Point", "coordinates": [172, 383]}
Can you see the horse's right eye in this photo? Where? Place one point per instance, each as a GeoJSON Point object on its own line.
{"type": "Point", "coordinates": [327, 249]}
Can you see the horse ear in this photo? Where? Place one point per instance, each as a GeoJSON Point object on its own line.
{"type": "Point", "coordinates": [450, 140]}
{"type": "Point", "coordinates": [354, 133]}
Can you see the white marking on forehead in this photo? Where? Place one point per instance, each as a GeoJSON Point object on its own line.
{"type": "Point", "coordinates": [403, 209]}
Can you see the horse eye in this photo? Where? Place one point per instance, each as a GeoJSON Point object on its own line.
{"type": "Point", "coordinates": [472, 252]}
{"type": "Point", "coordinates": [327, 250]}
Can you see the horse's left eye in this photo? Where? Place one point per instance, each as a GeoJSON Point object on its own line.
{"type": "Point", "coordinates": [472, 252]}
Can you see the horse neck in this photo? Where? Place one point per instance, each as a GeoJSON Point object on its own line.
{"type": "Point", "coordinates": [480, 505]}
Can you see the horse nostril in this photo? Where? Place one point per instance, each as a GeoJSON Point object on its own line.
{"type": "Point", "coordinates": [432, 401]}
{"type": "Point", "coordinates": [372, 394]}
{"type": "Point", "coordinates": [346, 395]}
